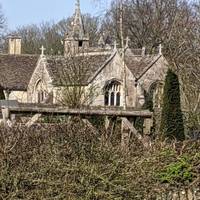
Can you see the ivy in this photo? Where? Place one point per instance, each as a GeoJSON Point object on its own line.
{"type": "Point", "coordinates": [177, 172]}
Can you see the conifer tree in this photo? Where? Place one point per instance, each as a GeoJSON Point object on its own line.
{"type": "Point", "coordinates": [172, 118]}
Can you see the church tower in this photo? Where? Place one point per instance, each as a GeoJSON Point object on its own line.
{"type": "Point", "coordinates": [76, 40]}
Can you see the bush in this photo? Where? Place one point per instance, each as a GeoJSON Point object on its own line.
{"type": "Point", "coordinates": [69, 161]}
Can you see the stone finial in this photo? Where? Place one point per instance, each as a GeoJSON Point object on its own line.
{"type": "Point", "coordinates": [42, 50]}
{"type": "Point", "coordinates": [115, 44]}
{"type": "Point", "coordinates": [101, 42]}
{"type": "Point", "coordinates": [127, 42]}
{"type": "Point", "coordinates": [77, 4]}
{"type": "Point", "coordinates": [160, 49]}
{"type": "Point", "coordinates": [143, 51]}
{"type": "Point", "coordinates": [51, 51]}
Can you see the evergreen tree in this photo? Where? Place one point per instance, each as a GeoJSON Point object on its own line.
{"type": "Point", "coordinates": [172, 118]}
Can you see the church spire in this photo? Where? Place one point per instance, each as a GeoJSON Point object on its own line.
{"type": "Point", "coordinates": [78, 5]}
{"type": "Point", "coordinates": [76, 39]}
{"type": "Point", "coordinates": [78, 28]}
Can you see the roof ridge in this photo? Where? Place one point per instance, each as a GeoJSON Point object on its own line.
{"type": "Point", "coordinates": [105, 63]}
{"type": "Point", "coordinates": [78, 55]}
{"type": "Point", "coordinates": [149, 66]}
{"type": "Point", "coordinates": [19, 55]}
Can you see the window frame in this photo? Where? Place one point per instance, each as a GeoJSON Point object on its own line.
{"type": "Point", "coordinates": [112, 93]}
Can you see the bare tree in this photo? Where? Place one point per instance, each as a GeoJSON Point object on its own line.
{"type": "Point", "coordinates": [2, 29]}
{"type": "Point", "coordinates": [52, 34]}
{"type": "Point", "coordinates": [73, 77]}
{"type": "Point", "coordinates": [175, 25]}
{"type": "Point", "coordinates": [2, 21]}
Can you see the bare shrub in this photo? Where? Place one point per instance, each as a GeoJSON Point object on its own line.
{"type": "Point", "coordinates": [74, 78]}
{"type": "Point", "coordinates": [64, 161]}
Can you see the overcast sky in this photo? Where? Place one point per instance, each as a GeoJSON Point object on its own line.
{"type": "Point", "coordinates": [23, 12]}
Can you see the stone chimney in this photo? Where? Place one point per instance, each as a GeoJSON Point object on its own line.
{"type": "Point", "coordinates": [14, 45]}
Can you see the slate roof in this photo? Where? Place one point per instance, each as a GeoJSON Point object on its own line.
{"type": "Point", "coordinates": [139, 64]}
{"type": "Point", "coordinates": [78, 70]}
{"type": "Point", "coordinates": [16, 71]}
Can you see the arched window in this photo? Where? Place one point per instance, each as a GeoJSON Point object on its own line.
{"type": "Point", "coordinates": [2, 96]}
{"type": "Point", "coordinates": [118, 99]}
{"type": "Point", "coordinates": [106, 98]}
{"type": "Point", "coordinates": [112, 95]}
{"type": "Point", "coordinates": [39, 92]}
{"type": "Point", "coordinates": [40, 97]}
{"type": "Point", "coordinates": [155, 94]}
{"type": "Point", "coordinates": [112, 99]}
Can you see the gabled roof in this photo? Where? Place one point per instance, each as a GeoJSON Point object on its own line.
{"type": "Point", "coordinates": [139, 64]}
{"type": "Point", "coordinates": [78, 70]}
{"type": "Point", "coordinates": [16, 70]}
{"type": "Point", "coordinates": [81, 70]}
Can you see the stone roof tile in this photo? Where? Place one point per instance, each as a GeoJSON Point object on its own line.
{"type": "Point", "coordinates": [16, 70]}
{"type": "Point", "coordinates": [78, 70]}
{"type": "Point", "coordinates": [138, 64]}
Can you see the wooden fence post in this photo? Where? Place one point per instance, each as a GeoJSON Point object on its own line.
{"type": "Point", "coordinates": [148, 122]}
{"type": "Point", "coordinates": [5, 114]}
{"type": "Point", "coordinates": [105, 134]}
{"type": "Point", "coordinates": [125, 135]}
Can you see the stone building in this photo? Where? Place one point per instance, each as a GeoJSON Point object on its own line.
{"type": "Point", "coordinates": [116, 79]}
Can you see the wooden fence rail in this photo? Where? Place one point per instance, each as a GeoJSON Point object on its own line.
{"type": "Point", "coordinates": [10, 109]}
{"type": "Point", "coordinates": [23, 108]}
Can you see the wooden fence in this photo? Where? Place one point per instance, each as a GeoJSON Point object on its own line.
{"type": "Point", "coordinates": [10, 109]}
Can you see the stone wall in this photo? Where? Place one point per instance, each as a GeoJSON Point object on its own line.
{"type": "Point", "coordinates": [114, 70]}
{"type": "Point", "coordinates": [40, 74]}
{"type": "Point", "coordinates": [157, 72]}
{"type": "Point", "coordinates": [20, 96]}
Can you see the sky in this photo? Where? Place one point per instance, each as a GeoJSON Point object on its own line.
{"type": "Point", "coordinates": [23, 12]}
